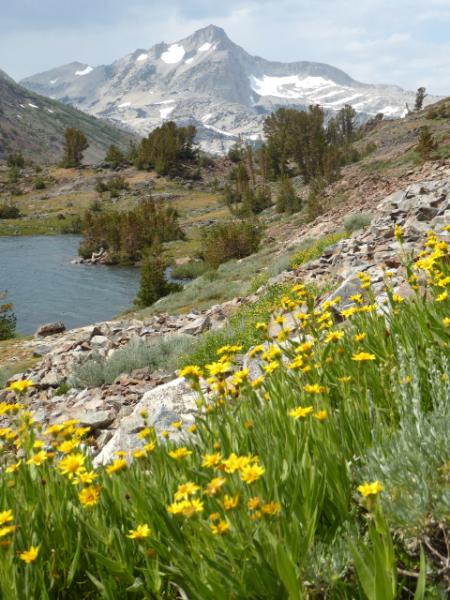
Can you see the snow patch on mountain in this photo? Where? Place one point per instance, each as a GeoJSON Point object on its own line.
{"type": "Point", "coordinates": [205, 47]}
{"type": "Point", "coordinates": [173, 55]}
{"type": "Point", "coordinates": [85, 71]}
{"type": "Point", "coordinates": [124, 104]}
{"type": "Point", "coordinates": [291, 86]}
{"type": "Point", "coordinates": [142, 57]}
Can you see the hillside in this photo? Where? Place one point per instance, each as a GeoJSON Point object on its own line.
{"type": "Point", "coordinates": [208, 80]}
{"type": "Point", "coordinates": [277, 429]}
{"type": "Point", "coordinates": [35, 125]}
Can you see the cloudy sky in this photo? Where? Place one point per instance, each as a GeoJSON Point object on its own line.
{"type": "Point", "coordinates": [406, 42]}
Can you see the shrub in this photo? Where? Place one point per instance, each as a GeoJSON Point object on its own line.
{"type": "Point", "coordinates": [426, 143]}
{"type": "Point", "coordinates": [315, 249]}
{"type": "Point", "coordinates": [225, 241]}
{"type": "Point", "coordinates": [154, 284]}
{"type": "Point", "coordinates": [162, 353]}
{"type": "Point", "coordinates": [7, 320]}
{"type": "Point", "coordinates": [114, 156]}
{"type": "Point", "coordinates": [357, 221]}
{"type": "Point", "coordinates": [75, 143]}
{"type": "Point", "coordinates": [126, 234]}
{"type": "Point", "coordinates": [166, 147]}
{"type": "Point", "coordinates": [15, 159]}
{"type": "Point", "coordinates": [9, 211]}
{"type": "Point", "coordinates": [40, 184]}
{"type": "Point", "coordinates": [190, 270]}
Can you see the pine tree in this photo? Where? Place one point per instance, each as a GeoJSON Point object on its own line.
{"type": "Point", "coordinates": [114, 156]}
{"type": "Point", "coordinates": [420, 97]}
{"type": "Point", "coordinates": [426, 143]}
{"type": "Point", "coordinates": [153, 284]}
{"type": "Point", "coordinates": [75, 142]}
{"type": "Point", "coordinates": [287, 200]}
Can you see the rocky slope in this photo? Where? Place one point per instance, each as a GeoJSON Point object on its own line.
{"type": "Point", "coordinates": [113, 410]}
{"type": "Point", "coordinates": [213, 83]}
{"type": "Point", "coordinates": [35, 125]}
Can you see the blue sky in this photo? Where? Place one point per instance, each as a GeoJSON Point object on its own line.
{"type": "Point", "coordinates": [405, 42]}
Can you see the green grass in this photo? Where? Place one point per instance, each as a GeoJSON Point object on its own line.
{"type": "Point", "coordinates": [315, 249]}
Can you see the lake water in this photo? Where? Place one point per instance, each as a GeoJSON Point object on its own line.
{"type": "Point", "coordinates": [45, 287]}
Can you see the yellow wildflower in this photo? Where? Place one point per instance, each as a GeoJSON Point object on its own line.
{"type": "Point", "coordinates": [272, 367]}
{"type": "Point", "coordinates": [359, 337]}
{"type": "Point", "coordinates": [251, 473]}
{"type": "Point", "coordinates": [241, 376]}
{"type": "Point", "coordinates": [89, 496]}
{"type": "Point", "coordinates": [20, 386]}
{"type": "Point", "coordinates": [334, 336]}
{"type": "Point", "coordinates": [442, 297]}
{"type": "Point", "coordinates": [191, 372]}
{"type": "Point", "coordinates": [214, 486]}
{"type": "Point", "coordinates": [6, 516]}
{"type": "Point", "coordinates": [218, 368]}
{"type": "Point", "coordinates": [254, 503]}
{"type": "Point", "coordinates": [399, 233]}
{"type": "Point", "coordinates": [363, 356]}
{"type": "Point", "coordinates": [370, 489]}
{"type": "Point", "coordinates": [321, 415]}
{"type": "Point", "coordinates": [261, 326]}
{"type": "Point", "coordinates": [85, 477]}
{"type": "Point", "coordinates": [300, 412]}
{"type": "Point", "coordinates": [256, 350]}
{"type": "Point", "coordinates": [6, 530]}
{"type": "Point", "coordinates": [180, 453]}
{"type": "Point", "coordinates": [257, 383]}
{"type": "Point", "coordinates": [230, 502]}
{"type": "Point", "coordinates": [28, 556]}
{"type": "Point", "coordinates": [38, 458]}
{"type": "Point", "coordinates": [68, 446]}
{"type": "Point", "coordinates": [71, 465]}
{"type": "Point", "coordinates": [185, 490]}
{"type": "Point", "coordinates": [220, 527]}
{"type": "Point", "coordinates": [315, 388]}
{"type": "Point", "coordinates": [211, 460]}
{"type": "Point", "coordinates": [117, 465]}
{"type": "Point", "coordinates": [271, 508]}
{"type": "Point", "coordinates": [141, 532]}
{"type": "Point", "coordinates": [446, 322]}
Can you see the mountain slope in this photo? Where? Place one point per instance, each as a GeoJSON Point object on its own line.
{"type": "Point", "coordinates": [210, 81]}
{"type": "Point", "coordinates": [35, 125]}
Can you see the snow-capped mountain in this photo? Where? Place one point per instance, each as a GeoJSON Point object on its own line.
{"type": "Point", "coordinates": [207, 80]}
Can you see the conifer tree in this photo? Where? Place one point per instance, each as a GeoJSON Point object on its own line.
{"type": "Point", "coordinates": [287, 200]}
{"type": "Point", "coordinates": [154, 284]}
{"type": "Point", "coordinates": [426, 143]}
{"type": "Point", "coordinates": [75, 142]}
{"type": "Point", "coordinates": [420, 97]}
{"type": "Point", "coordinates": [114, 156]}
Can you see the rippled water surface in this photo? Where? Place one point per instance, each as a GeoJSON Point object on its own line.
{"type": "Point", "coordinates": [45, 287]}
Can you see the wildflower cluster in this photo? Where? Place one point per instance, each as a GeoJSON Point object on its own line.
{"type": "Point", "coordinates": [261, 489]}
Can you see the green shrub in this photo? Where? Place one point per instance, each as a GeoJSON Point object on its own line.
{"type": "Point", "coordinates": [15, 159]}
{"type": "Point", "coordinates": [40, 184]}
{"type": "Point", "coordinates": [315, 249]}
{"type": "Point", "coordinates": [225, 241]}
{"type": "Point", "coordinates": [162, 353]}
{"type": "Point", "coordinates": [154, 284]}
{"type": "Point", "coordinates": [7, 320]}
{"type": "Point", "coordinates": [190, 270]}
{"type": "Point", "coordinates": [126, 234]}
{"type": "Point", "coordinates": [357, 221]}
{"type": "Point", "coordinates": [9, 211]}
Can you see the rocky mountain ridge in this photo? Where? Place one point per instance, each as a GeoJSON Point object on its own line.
{"type": "Point", "coordinates": [208, 80]}
{"type": "Point", "coordinates": [35, 125]}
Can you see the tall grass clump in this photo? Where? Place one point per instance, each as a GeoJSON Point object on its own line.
{"type": "Point", "coordinates": [314, 249]}
{"type": "Point", "coordinates": [320, 470]}
{"type": "Point", "coordinates": [357, 221]}
{"type": "Point", "coordinates": [160, 354]}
